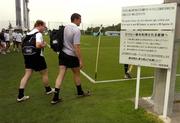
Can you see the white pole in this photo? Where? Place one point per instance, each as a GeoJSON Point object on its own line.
{"type": "Point", "coordinates": [168, 81]}
{"type": "Point", "coordinates": [98, 50]}
{"type": "Point", "coordinates": [137, 86]}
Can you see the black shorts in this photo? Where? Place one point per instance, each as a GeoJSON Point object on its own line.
{"type": "Point", "coordinates": [68, 61]}
{"type": "Point", "coordinates": [35, 62]}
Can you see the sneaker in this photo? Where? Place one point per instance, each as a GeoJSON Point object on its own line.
{"type": "Point", "coordinates": [23, 98]}
{"type": "Point", "coordinates": [4, 53]}
{"type": "Point", "coordinates": [8, 51]}
{"type": "Point", "coordinates": [127, 76]}
{"type": "Point", "coordinates": [55, 101]}
{"type": "Point", "coordinates": [84, 94]}
{"type": "Point", "coordinates": [51, 91]}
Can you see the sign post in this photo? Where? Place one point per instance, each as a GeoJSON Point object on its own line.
{"type": "Point", "coordinates": [166, 99]}
{"type": "Point", "coordinates": [137, 86]}
{"type": "Point", "coordinates": [147, 39]}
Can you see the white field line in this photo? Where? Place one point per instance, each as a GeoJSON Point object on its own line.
{"type": "Point", "coordinates": [88, 77]}
{"type": "Point", "coordinates": [48, 46]}
{"type": "Point", "coordinates": [115, 80]}
{"type": "Point", "coordinates": [121, 80]}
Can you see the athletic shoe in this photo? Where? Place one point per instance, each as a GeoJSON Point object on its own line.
{"type": "Point", "coordinates": [84, 94]}
{"type": "Point", "coordinates": [4, 53]}
{"type": "Point", "coordinates": [23, 98]}
{"type": "Point", "coordinates": [55, 101]}
{"type": "Point", "coordinates": [127, 76]}
{"type": "Point", "coordinates": [8, 51]}
{"type": "Point", "coordinates": [51, 91]}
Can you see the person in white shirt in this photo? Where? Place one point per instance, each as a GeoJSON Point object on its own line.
{"type": "Point", "coordinates": [35, 62]}
{"type": "Point", "coordinates": [19, 37]}
{"type": "Point", "coordinates": [7, 40]}
{"type": "Point", "coordinates": [14, 39]}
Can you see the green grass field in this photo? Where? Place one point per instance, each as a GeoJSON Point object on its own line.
{"type": "Point", "coordinates": [110, 102]}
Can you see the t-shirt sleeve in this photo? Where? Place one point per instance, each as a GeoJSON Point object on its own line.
{"type": "Point", "coordinates": [39, 38]}
{"type": "Point", "coordinates": [77, 36]}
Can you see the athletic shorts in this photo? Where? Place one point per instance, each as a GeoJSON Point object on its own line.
{"type": "Point", "coordinates": [68, 61]}
{"type": "Point", "coordinates": [35, 62]}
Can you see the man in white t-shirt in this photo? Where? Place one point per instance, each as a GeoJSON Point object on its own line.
{"type": "Point", "coordinates": [35, 62]}
{"type": "Point", "coordinates": [18, 39]}
{"type": "Point", "coordinates": [7, 40]}
{"type": "Point", "coordinates": [14, 39]}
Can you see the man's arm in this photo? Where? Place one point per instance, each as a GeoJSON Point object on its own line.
{"type": "Point", "coordinates": [78, 54]}
{"type": "Point", "coordinates": [39, 41]}
{"type": "Point", "coordinates": [40, 45]}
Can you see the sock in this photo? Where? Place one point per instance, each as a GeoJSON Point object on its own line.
{"type": "Point", "coordinates": [125, 68]}
{"type": "Point", "coordinates": [79, 90]}
{"type": "Point", "coordinates": [21, 93]}
{"type": "Point", "coordinates": [48, 88]}
{"type": "Point", "coordinates": [56, 94]}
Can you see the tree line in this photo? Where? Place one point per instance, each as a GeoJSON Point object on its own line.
{"type": "Point", "coordinates": [91, 30]}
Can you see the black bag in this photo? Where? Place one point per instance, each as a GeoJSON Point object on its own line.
{"type": "Point", "coordinates": [29, 45]}
{"type": "Point", "coordinates": [57, 39]}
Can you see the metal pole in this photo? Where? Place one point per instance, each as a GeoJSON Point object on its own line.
{"type": "Point", "coordinates": [166, 98]}
{"type": "Point", "coordinates": [98, 50]}
{"type": "Point", "coordinates": [137, 86]}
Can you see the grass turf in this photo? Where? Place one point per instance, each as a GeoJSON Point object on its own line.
{"type": "Point", "coordinates": [110, 102]}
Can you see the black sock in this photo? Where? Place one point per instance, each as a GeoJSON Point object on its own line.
{"type": "Point", "coordinates": [56, 94]}
{"type": "Point", "coordinates": [48, 89]}
{"type": "Point", "coordinates": [21, 93]}
{"type": "Point", "coordinates": [79, 90]}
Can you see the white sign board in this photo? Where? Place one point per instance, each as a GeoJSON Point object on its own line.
{"type": "Point", "coordinates": [147, 35]}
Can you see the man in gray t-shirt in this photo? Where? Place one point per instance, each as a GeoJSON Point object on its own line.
{"type": "Point", "coordinates": [72, 36]}
{"type": "Point", "coordinates": [70, 57]}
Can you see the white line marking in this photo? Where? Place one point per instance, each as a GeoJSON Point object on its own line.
{"type": "Point", "coordinates": [48, 46]}
{"type": "Point", "coordinates": [115, 80]}
{"type": "Point", "coordinates": [88, 77]}
{"type": "Point", "coordinates": [121, 80]}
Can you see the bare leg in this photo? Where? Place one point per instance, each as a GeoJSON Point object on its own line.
{"type": "Point", "coordinates": [76, 75]}
{"type": "Point", "coordinates": [45, 79]}
{"type": "Point", "coordinates": [77, 80]}
{"type": "Point", "coordinates": [24, 81]}
{"type": "Point", "coordinates": [14, 46]}
{"type": "Point", "coordinates": [60, 77]}
{"type": "Point", "coordinates": [59, 80]}
{"type": "Point", "coordinates": [26, 77]}
{"type": "Point", "coordinates": [7, 46]}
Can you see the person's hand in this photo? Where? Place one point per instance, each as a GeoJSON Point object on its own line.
{"type": "Point", "coordinates": [81, 64]}
{"type": "Point", "coordinates": [44, 44]}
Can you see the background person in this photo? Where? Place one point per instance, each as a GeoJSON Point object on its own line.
{"type": "Point", "coordinates": [7, 40]}
{"type": "Point", "coordinates": [14, 40]}
{"type": "Point", "coordinates": [127, 71]}
{"type": "Point", "coordinates": [18, 38]}
{"type": "Point", "coordinates": [2, 42]}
